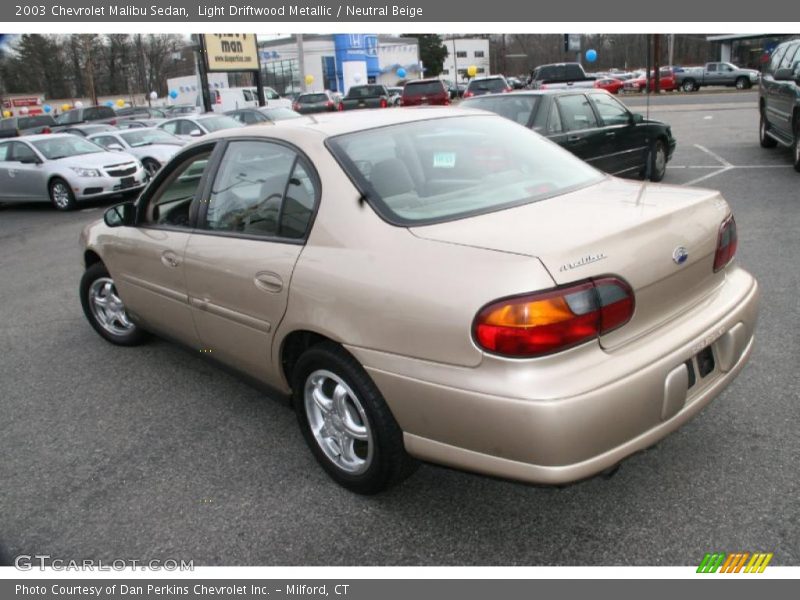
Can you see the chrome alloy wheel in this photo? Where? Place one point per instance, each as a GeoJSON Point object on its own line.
{"type": "Point", "coordinates": [61, 195]}
{"type": "Point", "coordinates": [660, 160]}
{"type": "Point", "coordinates": [107, 308]}
{"type": "Point", "coordinates": [338, 422]}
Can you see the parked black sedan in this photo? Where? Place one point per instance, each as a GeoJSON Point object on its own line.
{"type": "Point", "coordinates": [591, 124]}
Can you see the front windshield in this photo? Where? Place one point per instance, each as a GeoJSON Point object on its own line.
{"type": "Point", "coordinates": [57, 147]}
{"type": "Point", "coordinates": [219, 123]}
{"type": "Point", "coordinates": [148, 136]}
{"type": "Point", "coordinates": [448, 168]}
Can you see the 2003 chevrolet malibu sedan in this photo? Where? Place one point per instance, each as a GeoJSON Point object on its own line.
{"type": "Point", "coordinates": [433, 284]}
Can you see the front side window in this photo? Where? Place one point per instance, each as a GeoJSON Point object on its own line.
{"type": "Point", "coordinates": [448, 168]}
{"type": "Point", "coordinates": [170, 203]}
{"type": "Point", "coordinates": [576, 113]}
{"type": "Point", "coordinates": [261, 189]}
{"type": "Point", "coordinates": [611, 110]}
{"type": "Point", "coordinates": [23, 153]}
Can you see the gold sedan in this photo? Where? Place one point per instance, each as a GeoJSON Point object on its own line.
{"type": "Point", "coordinates": [433, 284]}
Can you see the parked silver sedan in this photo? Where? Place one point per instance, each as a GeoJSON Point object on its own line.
{"type": "Point", "coordinates": [189, 127]}
{"type": "Point", "coordinates": [152, 146]}
{"type": "Point", "coordinates": [65, 169]}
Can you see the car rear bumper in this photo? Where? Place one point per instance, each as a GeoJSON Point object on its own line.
{"type": "Point", "coordinates": [573, 415]}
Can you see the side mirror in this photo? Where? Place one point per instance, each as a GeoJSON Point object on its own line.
{"type": "Point", "coordinates": [120, 215]}
{"type": "Point", "coordinates": [783, 75]}
{"type": "Point", "coordinates": [195, 133]}
{"type": "Point", "coordinates": [115, 147]}
{"type": "Point", "coordinates": [30, 160]}
{"type": "Point", "coordinates": [636, 118]}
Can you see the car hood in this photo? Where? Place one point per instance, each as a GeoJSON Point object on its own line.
{"type": "Point", "coordinates": [95, 160]}
{"type": "Point", "coordinates": [629, 229]}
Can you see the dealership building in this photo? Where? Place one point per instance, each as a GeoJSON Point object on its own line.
{"type": "Point", "coordinates": [338, 61]}
{"type": "Point", "coordinates": [463, 53]}
{"type": "Point", "coordinates": [748, 50]}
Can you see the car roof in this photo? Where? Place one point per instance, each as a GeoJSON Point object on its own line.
{"type": "Point", "coordinates": [331, 124]}
{"type": "Point", "coordinates": [45, 136]}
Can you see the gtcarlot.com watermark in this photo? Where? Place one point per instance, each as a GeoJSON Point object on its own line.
{"type": "Point", "coordinates": [42, 562]}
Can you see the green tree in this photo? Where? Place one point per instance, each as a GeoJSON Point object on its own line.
{"type": "Point", "coordinates": [432, 52]}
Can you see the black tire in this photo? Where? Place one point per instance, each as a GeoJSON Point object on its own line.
{"type": "Point", "coordinates": [796, 147]}
{"type": "Point", "coordinates": [131, 336]}
{"type": "Point", "coordinates": [388, 464]}
{"type": "Point", "coordinates": [742, 83]}
{"type": "Point", "coordinates": [688, 85]}
{"type": "Point", "coordinates": [657, 161]}
{"type": "Point", "coordinates": [61, 195]}
{"type": "Point", "coordinates": [151, 166]}
{"type": "Point", "coordinates": [763, 126]}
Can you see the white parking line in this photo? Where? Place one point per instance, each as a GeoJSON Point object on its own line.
{"type": "Point", "coordinates": [714, 155]}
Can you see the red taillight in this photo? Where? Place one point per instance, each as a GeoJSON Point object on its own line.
{"type": "Point", "coordinates": [384, 103]}
{"type": "Point", "coordinates": [329, 104]}
{"type": "Point", "coordinates": [543, 86]}
{"type": "Point", "coordinates": [47, 130]}
{"type": "Point", "coordinates": [547, 322]}
{"type": "Point", "coordinates": [340, 107]}
{"type": "Point", "coordinates": [506, 90]}
{"type": "Point", "coordinates": [217, 97]}
{"type": "Point", "coordinates": [112, 122]}
{"type": "Point", "coordinates": [468, 94]}
{"type": "Point", "coordinates": [727, 243]}
{"type": "Point", "coordinates": [296, 106]}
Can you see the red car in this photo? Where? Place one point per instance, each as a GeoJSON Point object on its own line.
{"type": "Point", "coordinates": [667, 82]}
{"type": "Point", "coordinates": [425, 91]}
{"type": "Point", "coordinates": [609, 84]}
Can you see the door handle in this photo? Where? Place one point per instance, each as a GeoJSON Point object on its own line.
{"type": "Point", "coordinates": [170, 259]}
{"type": "Point", "coordinates": [268, 282]}
{"type": "Point", "coordinates": [574, 138]}
{"type": "Point", "coordinates": [611, 133]}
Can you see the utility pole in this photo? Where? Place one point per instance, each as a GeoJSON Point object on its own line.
{"type": "Point", "coordinates": [657, 62]}
{"type": "Point", "coordinates": [455, 63]}
{"type": "Point", "coordinates": [202, 72]}
{"type": "Point", "coordinates": [671, 43]}
{"type": "Point", "coordinates": [301, 61]}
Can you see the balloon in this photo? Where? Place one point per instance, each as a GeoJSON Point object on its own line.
{"type": "Point", "coordinates": [472, 70]}
{"type": "Point", "coordinates": [47, 108]}
{"type": "Point", "coordinates": [109, 103]}
{"type": "Point", "coordinates": [6, 113]}
{"type": "Point", "coordinates": [120, 103]}
{"type": "Point", "coordinates": [23, 110]}
{"type": "Point", "coordinates": [65, 106]}
{"type": "Point", "coordinates": [357, 77]}
{"type": "Point", "coordinates": [153, 96]}
{"type": "Point", "coordinates": [173, 94]}
{"type": "Point", "coordinates": [309, 79]}
{"type": "Point", "coordinates": [79, 104]}
{"type": "Point", "coordinates": [401, 72]}
{"type": "Point", "coordinates": [591, 55]}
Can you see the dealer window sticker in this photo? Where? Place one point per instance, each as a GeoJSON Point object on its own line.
{"type": "Point", "coordinates": [444, 160]}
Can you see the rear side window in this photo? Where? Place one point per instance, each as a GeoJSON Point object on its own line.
{"type": "Point", "coordinates": [777, 55]}
{"type": "Point", "coordinates": [4, 152]}
{"type": "Point", "coordinates": [423, 88]}
{"type": "Point", "coordinates": [576, 113]}
{"type": "Point", "coordinates": [789, 58]}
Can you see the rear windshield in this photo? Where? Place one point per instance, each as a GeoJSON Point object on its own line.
{"type": "Point", "coordinates": [517, 107]}
{"type": "Point", "coordinates": [423, 88]}
{"type": "Point", "coordinates": [312, 98]}
{"type": "Point", "coordinates": [449, 168]}
{"type": "Point", "coordinates": [488, 85]}
{"type": "Point", "coordinates": [38, 121]}
{"type": "Point", "coordinates": [365, 91]}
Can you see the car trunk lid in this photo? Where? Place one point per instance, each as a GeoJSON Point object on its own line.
{"type": "Point", "coordinates": [660, 239]}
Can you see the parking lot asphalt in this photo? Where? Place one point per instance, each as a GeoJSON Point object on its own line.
{"type": "Point", "coordinates": [154, 453]}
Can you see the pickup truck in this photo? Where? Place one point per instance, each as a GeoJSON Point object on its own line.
{"type": "Point", "coordinates": [560, 76]}
{"type": "Point", "coordinates": [691, 79]}
{"type": "Point", "coordinates": [16, 126]}
{"type": "Point", "coordinates": [366, 96]}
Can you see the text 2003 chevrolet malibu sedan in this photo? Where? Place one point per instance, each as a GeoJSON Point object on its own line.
{"type": "Point", "coordinates": [434, 284]}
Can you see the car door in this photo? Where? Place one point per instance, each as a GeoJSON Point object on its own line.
{"type": "Point", "coordinates": [239, 261]}
{"type": "Point", "coordinates": [786, 93]}
{"type": "Point", "coordinates": [624, 142]}
{"type": "Point", "coordinates": [26, 174]}
{"type": "Point", "coordinates": [8, 189]}
{"type": "Point", "coordinates": [581, 133]}
{"type": "Point", "coordinates": [147, 260]}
